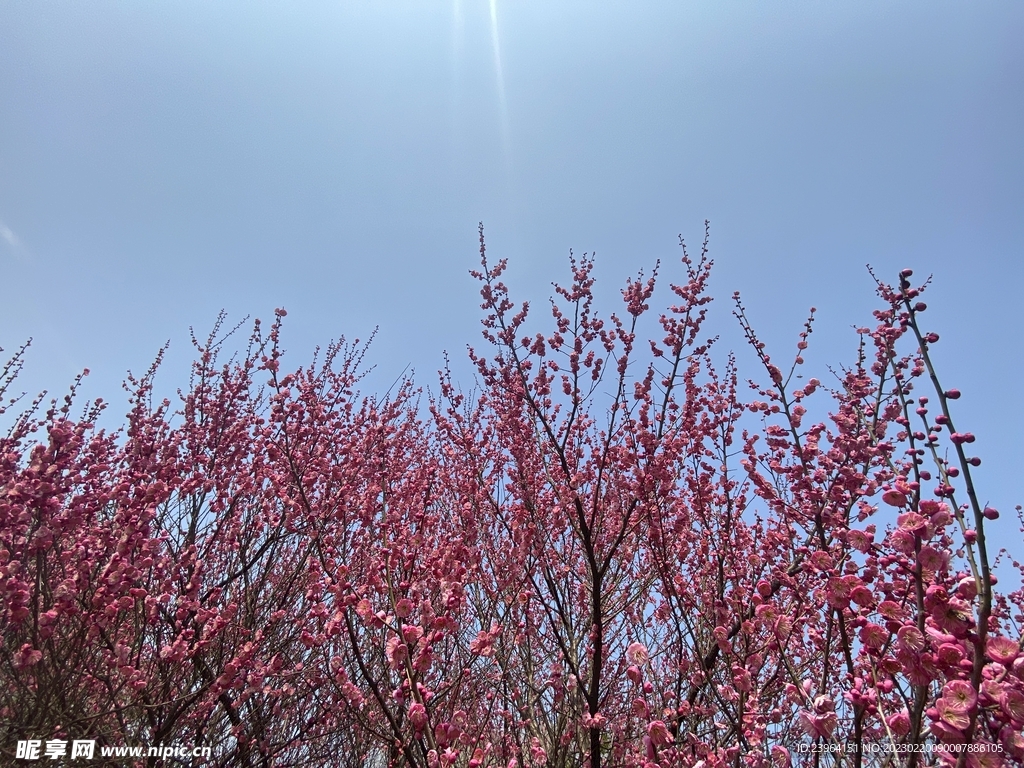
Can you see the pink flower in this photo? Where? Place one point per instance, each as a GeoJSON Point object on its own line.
{"type": "Point", "coordinates": [1001, 650]}
{"type": "Point", "coordinates": [441, 734]}
{"type": "Point", "coordinates": [353, 695]}
{"type": "Point", "coordinates": [953, 718]}
{"type": "Point", "coordinates": [911, 521]}
{"type": "Point", "coordinates": [901, 540]}
{"type": "Point", "coordinates": [890, 609]}
{"type": "Point", "coordinates": [914, 668]}
{"type": "Point", "coordinates": [941, 517]}
{"type": "Point", "coordinates": [837, 592]}
{"type": "Point", "coordinates": [910, 638]}
{"type": "Point", "coordinates": [397, 652]}
{"type": "Point", "coordinates": [899, 723]}
{"type": "Point", "coordinates": [873, 636]}
{"type": "Point", "coordinates": [424, 659]}
{"type": "Point", "coordinates": [741, 679]}
{"type": "Point", "coordinates": [418, 717]}
{"type": "Point", "coordinates": [659, 733]}
{"type": "Point", "coordinates": [953, 616]}
{"type": "Point", "coordinates": [894, 498]}
{"type": "Point", "coordinates": [938, 637]}
{"type": "Point", "coordinates": [1012, 704]}
{"type": "Point", "coordinates": [945, 732]}
{"type": "Point", "coordinates": [363, 609]}
{"type": "Point", "coordinates": [949, 654]}
{"type": "Point", "coordinates": [637, 653]}
{"type": "Point", "coordinates": [823, 561]}
{"type": "Point", "coordinates": [483, 645]}
{"type": "Point", "coordinates": [859, 540]}
{"type": "Point", "coordinates": [824, 705]}
{"type": "Point", "coordinates": [412, 633]}
{"type": "Point", "coordinates": [967, 588]}
{"type": "Point", "coordinates": [959, 695]}
{"type": "Point", "coordinates": [27, 656]}
{"type": "Point", "coordinates": [1013, 740]}
{"type": "Point", "coordinates": [931, 559]}
{"type": "Point", "coordinates": [862, 596]}
{"type": "Point", "coordinates": [537, 752]}
{"type": "Point", "coordinates": [953, 707]}
{"type": "Point", "coordinates": [818, 725]}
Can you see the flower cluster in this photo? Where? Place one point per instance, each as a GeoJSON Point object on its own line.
{"type": "Point", "coordinates": [603, 555]}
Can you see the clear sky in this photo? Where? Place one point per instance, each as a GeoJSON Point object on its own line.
{"type": "Point", "coordinates": [161, 161]}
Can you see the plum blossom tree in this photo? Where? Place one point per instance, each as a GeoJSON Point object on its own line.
{"type": "Point", "coordinates": [606, 555]}
{"type": "Point", "coordinates": [685, 587]}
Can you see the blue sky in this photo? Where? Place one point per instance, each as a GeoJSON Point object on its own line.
{"type": "Point", "coordinates": [159, 162]}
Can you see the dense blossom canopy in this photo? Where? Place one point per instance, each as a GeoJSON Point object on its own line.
{"type": "Point", "coordinates": [603, 555]}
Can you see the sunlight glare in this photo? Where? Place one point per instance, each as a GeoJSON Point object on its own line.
{"type": "Point", "coordinates": [502, 104]}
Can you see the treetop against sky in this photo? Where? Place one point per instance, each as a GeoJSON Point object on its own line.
{"type": "Point", "coordinates": [159, 164]}
{"type": "Point", "coordinates": [606, 553]}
